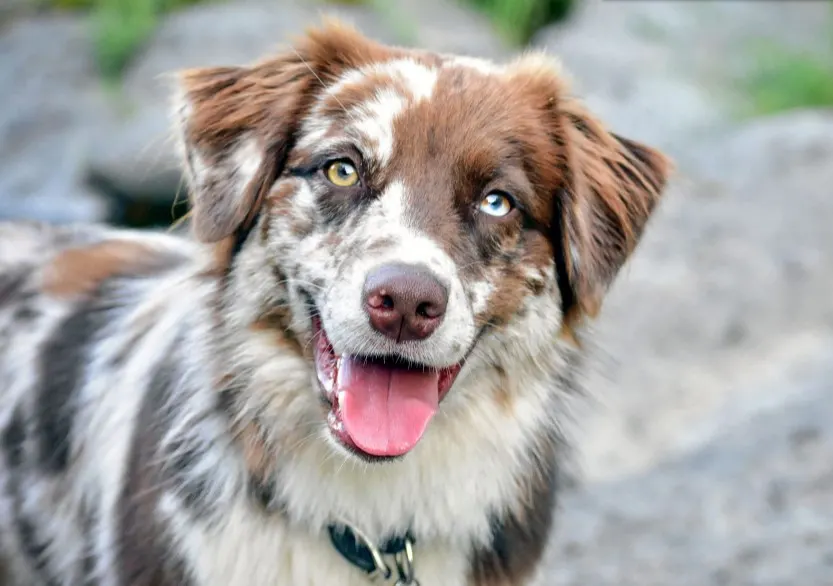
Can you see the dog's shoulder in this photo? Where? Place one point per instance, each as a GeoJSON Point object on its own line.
{"type": "Point", "coordinates": [32, 242]}
{"type": "Point", "coordinates": [67, 262]}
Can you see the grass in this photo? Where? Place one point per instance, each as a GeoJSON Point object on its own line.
{"type": "Point", "coordinates": [121, 27]}
{"type": "Point", "coordinates": [787, 79]}
{"type": "Point", "coordinates": [519, 20]}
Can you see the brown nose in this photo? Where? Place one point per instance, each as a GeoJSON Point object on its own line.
{"type": "Point", "coordinates": [404, 302]}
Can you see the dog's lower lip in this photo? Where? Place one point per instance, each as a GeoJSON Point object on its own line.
{"type": "Point", "coordinates": [328, 366]}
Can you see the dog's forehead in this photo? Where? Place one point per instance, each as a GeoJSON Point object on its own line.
{"type": "Point", "coordinates": [364, 103]}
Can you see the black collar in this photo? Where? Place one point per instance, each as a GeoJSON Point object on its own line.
{"type": "Point", "coordinates": [357, 550]}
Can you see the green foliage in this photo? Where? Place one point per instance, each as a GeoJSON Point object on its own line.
{"type": "Point", "coordinates": [519, 20]}
{"type": "Point", "coordinates": [785, 79]}
{"type": "Point", "coordinates": [120, 27]}
{"type": "Point", "coordinates": [70, 4]}
{"type": "Point", "coordinates": [789, 80]}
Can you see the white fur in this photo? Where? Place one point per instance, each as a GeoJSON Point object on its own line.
{"type": "Point", "coordinates": [374, 122]}
{"type": "Point", "coordinates": [246, 160]}
{"type": "Point", "coordinates": [418, 78]}
{"type": "Point", "coordinates": [477, 64]}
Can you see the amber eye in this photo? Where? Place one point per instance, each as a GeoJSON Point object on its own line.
{"type": "Point", "coordinates": [341, 173]}
{"type": "Point", "coordinates": [496, 204]}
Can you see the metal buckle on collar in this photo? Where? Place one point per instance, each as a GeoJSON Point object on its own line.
{"type": "Point", "coordinates": [360, 551]}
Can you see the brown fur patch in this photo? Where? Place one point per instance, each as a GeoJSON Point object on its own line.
{"type": "Point", "coordinates": [612, 187]}
{"type": "Point", "coordinates": [260, 461]}
{"type": "Point", "coordinates": [79, 271]}
{"type": "Point", "coordinates": [222, 256]}
{"type": "Point", "coordinates": [276, 322]}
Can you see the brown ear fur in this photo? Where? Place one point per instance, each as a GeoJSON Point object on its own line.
{"type": "Point", "coordinates": [226, 110]}
{"type": "Point", "coordinates": [612, 185]}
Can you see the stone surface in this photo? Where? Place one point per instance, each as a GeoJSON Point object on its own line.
{"type": "Point", "coordinates": [666, 71]}
{"type": "Point", "coordinates": [726, 301]}
{"type": "Point", "coordinates": [752, 507]}
{"type": "Point", "coordinates": [707, 457]}
{"type": "Point", "coordinates": [51, 98]}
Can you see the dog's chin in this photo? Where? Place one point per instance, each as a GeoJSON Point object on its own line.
{"type": "Point", "coordinates": [378, 407]}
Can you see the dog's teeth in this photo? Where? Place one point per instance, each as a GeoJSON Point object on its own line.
{"type": "Point", "coordinates": [326, 381]}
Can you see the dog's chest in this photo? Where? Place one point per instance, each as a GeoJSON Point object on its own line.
{"type": "Point", "coordinates": [250, 550]}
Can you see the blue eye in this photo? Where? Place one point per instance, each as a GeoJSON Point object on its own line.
{"type": "Point", "coordinates": [496, 204]}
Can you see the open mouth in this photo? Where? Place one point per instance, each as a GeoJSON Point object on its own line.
{"type": "Point", "coordinates": [379, 407]}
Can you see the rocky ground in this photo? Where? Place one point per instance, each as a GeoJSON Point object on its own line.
{"type": "Point", "coordinates": [707, 452]}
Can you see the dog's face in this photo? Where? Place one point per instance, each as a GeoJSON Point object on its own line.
{"type": "Point", "coordinates": [408, 214]}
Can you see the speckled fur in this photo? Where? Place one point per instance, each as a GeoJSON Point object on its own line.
{"type": "Point", "coordinates": [160, 415]}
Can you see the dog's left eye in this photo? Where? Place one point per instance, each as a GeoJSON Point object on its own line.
{"type": "Point", "coordinates": [497, 204]}
{"type": "Point", "coordinates": [341, 173]}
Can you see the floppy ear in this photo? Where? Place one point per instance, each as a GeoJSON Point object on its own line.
{"type": "Point", "coordinates": [612, 185]}
{"type": "Point", "coordinates": [234, 126]}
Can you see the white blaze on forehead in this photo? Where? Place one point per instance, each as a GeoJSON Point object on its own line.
{"type": "Point", "coordinates": [402, 82]}
{"type": "Point", "coordinates": [374, 120]}
{"type": "Point", "coordinates": [480, 65]}
{"type": "Point", "coordinates": [419, 79]}
{"type": "Point", "coordinates": [353, 76]}
{"type": "Point", "coordinates": [414, 246]}
{"type": "Point", "coordinates": [389, 216]}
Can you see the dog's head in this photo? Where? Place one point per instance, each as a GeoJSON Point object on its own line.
{"type": "Point", "coordinates": [406, 215]}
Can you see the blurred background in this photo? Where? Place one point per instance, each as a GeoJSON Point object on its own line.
{"type": "Point", "coordinates": [706, 449]}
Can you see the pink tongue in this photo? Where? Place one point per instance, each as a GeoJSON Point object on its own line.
{"type": "Point", "coordinates": [385, 410]}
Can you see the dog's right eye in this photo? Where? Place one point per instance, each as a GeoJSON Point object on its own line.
{"type": "Point", "coordinates": [341, 173]}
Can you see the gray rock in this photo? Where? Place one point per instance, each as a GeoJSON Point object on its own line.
{"type": "Point", "coordinates": [51, 101]}
{"type": "Point", "coordinates": [629, 77]}
{"type": "Point", "coordinates": [752, 507]}
{"type": "Point", "coordinates": [666, 71]}
{"type": "Point", "coordinates": [770, 145]}
{"type": "Point", "coordinates": [726, 302]}
{"type": "Point", "coordinates": [13, 8]}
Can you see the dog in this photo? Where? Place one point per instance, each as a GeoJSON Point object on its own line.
{"type": "Point", "coordinates": [355, 365]}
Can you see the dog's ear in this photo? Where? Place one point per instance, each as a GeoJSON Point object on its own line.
{"type": "Point", "coordinates": [611, 187]}
{"type": "Point", "coordinates": [234, 126]}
